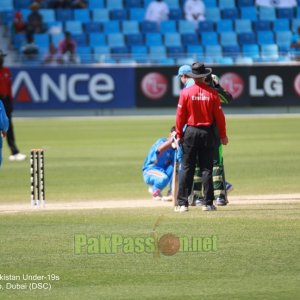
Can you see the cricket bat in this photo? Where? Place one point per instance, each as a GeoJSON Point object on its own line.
{"type": "Point", "coordinates": [175, 178]}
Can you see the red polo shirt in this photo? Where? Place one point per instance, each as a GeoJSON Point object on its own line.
{"type": "Point", "coordinates": [199, 105]}
{"type": "Point", "coordinates": [5, 82]}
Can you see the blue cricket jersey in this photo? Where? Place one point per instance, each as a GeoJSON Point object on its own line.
{"type": "Point", "coordinates": [162, 160]}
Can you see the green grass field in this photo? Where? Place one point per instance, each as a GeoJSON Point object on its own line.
{"type": "Point", "coordinates": [257, 246]}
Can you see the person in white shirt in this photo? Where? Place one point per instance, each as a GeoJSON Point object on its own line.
{"type": "Point", "coordinates": [157, 11]}
{"type": "Point", "coordinates": [194, 10]}
{"type": "Point", "coordinates": [277, 3]}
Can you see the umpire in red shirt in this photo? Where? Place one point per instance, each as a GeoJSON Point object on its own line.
{"type": "Point", "coordinates": [198, 107]}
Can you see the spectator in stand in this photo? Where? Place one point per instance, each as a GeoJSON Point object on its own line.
{"type": "Point", "coordinates": [278, 3]}
{"type": "Point", "coordinates": [35, 22]}
{"type": "Point", "coordinates": [194, 10]}
{"type": "Point", "coordinates": [67, 49]}
{"type": "Point", "coordinates": [30, 50]}
{"type": "Point", "coordinates": [295, 45]}
{"type": "Point", "coordinates": [79, 4]}
{"type": "Point", "coordinates": [19, 24]}
{"type": "Point", "coordinates": [52, 57]}
{"type": "Point", "coordinates": [157, 11]}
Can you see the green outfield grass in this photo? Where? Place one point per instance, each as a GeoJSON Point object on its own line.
{"type": "Point", "coordinates": [251, 251]}
{"type": "Point", "coordinates": [102, 158]}
{"type": "Point", "coordinates": [255, 254]}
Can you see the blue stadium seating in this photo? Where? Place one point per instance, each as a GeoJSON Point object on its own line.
{"type": "Point", "coordinates": [20, 4]}
{"type": "Point", "coordinates": [175, 14]}
{"type": "Point", "coordinates": [111, 27]}
{"type": "Point", "coordinates": [252, 51]}
{"type": "Point", "coordinates": [118, 14]}
{"type": "Point", "coordinates": [269, 52]}
{"type": "Point", "coordinates": [137, 14]}
{"type": "Point", "coordinates": [281, 25]}
{"type": "Point", "coordinates": [209, 38]}
{"type": "Point", "coordinates": [243, 25]}
{"type": "Point", "coordinates": [130, 27]}
{"type": "Point", "coordinates": [172, 39]}
{"type": "Point", "coordinates": [95, 4]}
{"type": "Point", "coordinates": [175, 52]}
{"type": "Point", "coordinates": [230, 13]}
{"type": "Point", "coordinates": [248, 13]}
{"type": "Point", "coordinates": [133, 3]}
{"type": "Point", "coordinates": [64, 14]}
{"type": "Point", "coordinates": [242, 3]}
{"type": "Point", "coordinates": [245, 38]}
{"type": "Point", "coordinates": [224, 26]}
{"type": "Point", "coordinates": [114, 4]}
{"type": "Point", "coordinates": [186, 26]}
{"type": "Point", "coordinates": [48, 15]}
{"type": "Point", "coordinates": [213, 51]}
{"type": "Point", "coordinates": [285, 13]}
{"type": "Point", "coordinates": [231, 51]}
{"type": "Point", "coordinates": [168, 26]}
{"type": "Point", "coordinates": [97, 39]}
{"type": "Point", "coordinates": [228, 39]}
{"type": "Point", "coordinates": [153, 39]}
{"type": "Point", "coordinates": [189, 39]}
{"type": "Point", "coordinates": [213, 14]}
{"type": "Point", "coordinates": [115, 40]}
{"type": "Point", "coordinates": [206, 26]}
{"type": "Point", "coordinates": [100, 15]}
{"type": "Point", "coordinates": [80, 39]}
{"type": "Point", "coordinates": [267, 13]}
{"type": "Point", "coordinates": [265, 37]}
{"type": "Point", "coordinates": [262, 25]}
{"type": "Point", "coordinates": [82, 15]}
{"type": "Point", "coordinates": [75, 27]}
{"type": "Point", "coordinates": [148, 26]}
{"type": "Point", "coordinates": [92, 27]}
{"type": "Point", "coordinates": [134, 39]}
{"type": "Point", "coordinates": [226, 4]}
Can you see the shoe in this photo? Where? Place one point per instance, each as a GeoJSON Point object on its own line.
{"type": "Point", "coordinates": [229, 187]}
{"type": "Point", "coordinates": [150, 189]}
{"type": "Point", "coordinates": [221, 202]}
{"type": "Point", "coordinates": [157, 196]}
{"type": "Point", "coordinates": [181, 208]}
{"type": "Point", "coordinates": [17, 157]}
{"type": "Point", "coordinates": [199, 202]}
{"type": "Point", "coordinates": [168, 197]}
{"type": "Point", "coordinates": [209, 208]}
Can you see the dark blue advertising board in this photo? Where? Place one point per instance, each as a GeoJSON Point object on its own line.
{"type": "Point", "coordinates": [73, 88]}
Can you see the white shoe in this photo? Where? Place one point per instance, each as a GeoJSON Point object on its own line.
{"type": "Point", "coordinates": [150, 189]}
{"type": "Point", "coordinates": [168, 197]}
{"type": "Point", "coordinates": [181, 209]}
{"type": "Point", "coordinates": [17, 157]}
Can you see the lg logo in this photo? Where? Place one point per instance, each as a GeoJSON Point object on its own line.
{"type": "Point", "coordinates": [154, 85]}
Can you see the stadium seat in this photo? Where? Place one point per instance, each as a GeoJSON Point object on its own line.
{"type": "Point", "coordinates": [130, 27]}
{"type": "Point", "coordinates": [189, 39]}
{"type": "Point", "coordinates": [97, 39]}
{"type": "Point", "coordinates": [230, 13]}
{"type": "Point", "coordinates": [82, 15]}
{"type": "Point", "coordinates": [167, 61]}
{"type": "Point", "coordinates": [175, 14]}
{"type": "Point", "coordinates": [226, 4]}
{"type": "Point", "coordinates": [56, 38]}
{"type": "Point", "coordinates": [210, 3]}
{"type": "Point", "coordinates": [25, 13]}
{"type": "Point", "coordinates": [133, 3]}
{"type": "Point", "coordinates": [212, 14]}
{"type": "Point", "coordinates": [148, 26]}
{"type": "Point", "coordinates": [100, 15]}
{"type": "Point", "coordinates": [101, 53]}
{"type": "Point", "coordinates": [172, 40]}
{"type": "Point", "coordinates": [153, 39]}
{"type": "Point", "coordinates": [20, 4]}
{"type": "Point", "coordinates": [134, 39]}
{"type": "Point", "coordinates": [139, 53]}
{"type": "Point", "coordinates": [185, 61]}
{"type": "Point", "coordinates": [209, 38]}
{"type": "Point", "coordinates": [115, 40]}
{"type": "Point", "coordinates": [42, 40]}
{"type": "Point", "coordinates": [168, 26]}
{"type": "Point", "coordinates": [185, 26]}
{"type": "Point", "coordinates": [85, 55]}
{"type": "Point", "coordinates": [92, 27]}
{"type": "Point", "coordinates": [245, 38]}
{"type": "Point", "coordinates": [172, 3]}
{"type": "Point", "coordinates": [95, 4]}
{"type": "Point", "coordinates": [111, 27]}
{"type": "Point", "coordinates": [242, 3]}
{"type": "Point", "coordinates": [252, 51]}
{"type": "Point", "coordinates": [7, 5]}
{"type": "Point", "coordinates": [248, 13]}
{"type": "Point", "coordinates": [213, 51]}
{"type": "Point", "coordinates": [267, 13]}
{"type": "Point", "coordinates": [224, 26]}
{"type": "Point", "coordinates": [137, 14]}
{"type": "Point", "coordinates": [80, 39]}
{"type": "Point", "coordinates": [6, 17]}
{"type": "Point", "coordinates": [157, 52]}
{"type": "Point", "coordinates": [120, 52]}
{"type": "Point", "coordinates": [196, 52]}
{"type": "Point", "coordinates": [283, 38]}
{"type": "Point", "coordinates": [118, 14]}
{"type": "Point", "coordinates": [64, 14]}
{"type": "Point", "coordinates": [48, 15]}
{"type": "Point", "coordinates": [231, 51]}
{"type": "Point", "coordinates": [262, 25]}
{"type": "Point", "coordinates": [285, 13]}
{"type": "Point", "coordinates": [18, 40]}
{"type": "Point", "coordinates": [243, 25]}
{"type": "Point", "coordinates": [228, 39]}
{"type": "Point", "coordinates": [224, 60]}
{"type": "Point", "coordinates": [75, 27]}
{"type": "Point", "coordinates": [281, 25]}
{"type": "Point", "coordinates": [265, 37]}
{"type": "Point", "coordinates": [175, 52]}
{"type": "Point", "coordinates": [114, 4]}
{"type": "Point", "coordinates": [269, 52]}
{"type": "Point", "coordinates": [244, 60]}
{"type": "Point", "coordinates": [206, 26]}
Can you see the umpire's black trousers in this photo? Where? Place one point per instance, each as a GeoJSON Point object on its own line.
{"type": "Point", "coordinates": [198, 144]}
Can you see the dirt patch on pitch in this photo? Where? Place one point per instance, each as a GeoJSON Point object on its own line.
{"type": "Point", "coordinates": [102, 204]}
